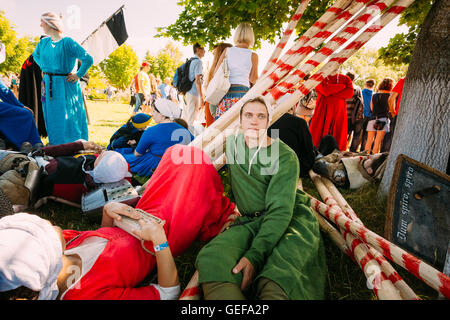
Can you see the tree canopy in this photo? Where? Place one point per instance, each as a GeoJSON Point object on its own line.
{"type": "Point", "coordinates": [17, 49]}
{"type": "Point", "coordinates": [209, 22]}
{"type": "Point", "coordinates": [365, 64]}
{"type": "Point", "coordinates": [401, 46]}
{"type": "Point", "coordinates": [121, 66]}
{"type": "Point", "coordinates": [167, 60]}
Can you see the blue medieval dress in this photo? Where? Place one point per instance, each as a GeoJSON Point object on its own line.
{"type": "Point", "coordinates": [16, 123]}
{"type": "Point", "coordinates": [64, 113]}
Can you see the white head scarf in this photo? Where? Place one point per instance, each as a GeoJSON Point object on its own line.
{"type": "Point", "coordinates": [2, 53]}
{"type": "Point", "coordinates": [168, 109]}
{"type": "Point", "coordinates": [53, 20]}
{"type": "Point", "coordinates": [30, 255]}
{"type": "Point", "coordinates": [112, 168]}
{"type": "Point", "coordinates": [270, 115]}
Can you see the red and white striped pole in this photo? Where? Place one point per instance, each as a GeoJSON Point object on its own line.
{"type": "Point", "coordinates": [338, 59]}
{"type": "Point", "coordinates": [217, 132]}
{"type": "Point", "coordinates": [335, 17]}
{"type": "Point", "coordinates": [286, 36]}
{"type": "Point", "coordinates": [266, 82]}
{"type": "Point", "coordinates": [366, 252]}
{"type": "Point", "coordinates": [435, 279]}
{"type": "Point", "coordinates": [363, 18]}
{"type": "Point", "coordinates": [377, 279]}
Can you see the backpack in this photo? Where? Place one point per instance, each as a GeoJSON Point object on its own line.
{"type": "Point", "coordinates": [181, 78]}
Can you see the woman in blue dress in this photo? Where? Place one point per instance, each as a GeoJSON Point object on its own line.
{"type": "Point", "coordinates": [64, 113]}
{"type": "Point", "coordinates": [157, 139]}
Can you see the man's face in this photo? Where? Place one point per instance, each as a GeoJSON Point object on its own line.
{"type": "Point", "coordinates": [201, 52]}
{"type": "Point", "coordinates": [254, 120]}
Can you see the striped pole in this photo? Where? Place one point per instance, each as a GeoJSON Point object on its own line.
{"type": "Point", "coordinates": [286, 35]}
{"type": "Point", "coordinates": [406, 292]}
{"type": "Point", "coordinates": [337, 59]}
{"type": "Point", "coordinates": [266, 82]}
{"type": "Point", "coordinates": [323, 186]}
{"type": "Point", "coordinates": [215, 133]}
{"type": "Point", "coordinates": [432, 277]}
{"type": "Point", "coordinates": [334, 18]}
{"type": "Point", "coordinates": [362, 19]}
{"type": "Point", "coordinates": [382, 286]}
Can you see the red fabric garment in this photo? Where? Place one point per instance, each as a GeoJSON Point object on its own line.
{"type": "Point", "coordinates": [399, 89]}
{"type": "Point", "coordinates": [330, 115]}
{"type": "Point", "coordinates": [188, 195]}
{"type": "Point", "coordinates": [186, 191]}
{"type": "Point", "coordinates": [118, 270]}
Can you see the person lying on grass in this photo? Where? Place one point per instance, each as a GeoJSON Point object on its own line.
{"type": "Point", "coordinates": [113, 269]}
{"type": "Point", "coordinates": [41, 261]}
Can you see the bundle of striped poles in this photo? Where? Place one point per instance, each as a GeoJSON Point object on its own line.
{"type": "Point", "coordinates": [286, 36]}
{"type": "Point", "coordinates": [278, 79]}
{"type": "Point", "coordinates": [432, 277]}
{"type": "Point", "coordinates": [212, 140]}
{"type": "Point", "coordinates": [386, 282]}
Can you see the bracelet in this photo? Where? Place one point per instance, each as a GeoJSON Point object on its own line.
{"type": "Point", "coordinates": [161, 246]}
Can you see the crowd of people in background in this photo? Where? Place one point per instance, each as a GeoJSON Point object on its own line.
{"type": "Point", "coordinates": [336, 119]}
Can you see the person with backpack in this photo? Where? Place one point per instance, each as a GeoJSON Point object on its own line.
{"type": "Point", "coordinates": [355, 115]}
{"type": "Point", "coordinates": [188, 81]}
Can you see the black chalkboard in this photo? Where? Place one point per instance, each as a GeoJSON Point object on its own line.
{"type": "Point", "coordinates": [418, 211]}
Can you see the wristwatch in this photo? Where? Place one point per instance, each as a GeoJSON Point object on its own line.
{"type": "Point", "coordinates": [161, 246]}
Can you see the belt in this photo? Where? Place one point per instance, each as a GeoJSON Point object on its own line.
{"type": "Point", "coordinates": [51, 75]}
{"type": "Point", "coordinates": [253, 215]}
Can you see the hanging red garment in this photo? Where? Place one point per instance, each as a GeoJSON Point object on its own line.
{"type": "Point", "coordinates": [330, 115]}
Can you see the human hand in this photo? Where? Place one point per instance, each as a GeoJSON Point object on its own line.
{"type": "Point", "coordinates": [28, 109]}
{"type": "Point", "coordinates": [115, 210]}
{"type": "Point", "coordinates": [72, 77]}
{"type": "Point", "coordinates": [131, 142]}
{"type": "Point", "coordinates": [151, 231]}
{"type": "Point", "coordinates": [89, 145]}
{"type": "Point", "coordinates": [248, 272]}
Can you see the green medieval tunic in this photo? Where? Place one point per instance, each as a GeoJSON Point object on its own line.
{"type": "Point", "coordinates": [284, 243]}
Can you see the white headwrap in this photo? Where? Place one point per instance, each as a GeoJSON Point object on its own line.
{"type": "Point", "coordinates": [168, 108]}
{"type": "Point", "coordinates": [112, 168]}
{"type": "Point", "coordinates": [2, 53]}
{"type": "Point", "coordinates": [53, 20]}
{"type": "Point", "coordinates": [30, 255]}
{"type": "Point", "coordinates": [270, 115]}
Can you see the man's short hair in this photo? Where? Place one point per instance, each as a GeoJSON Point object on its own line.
{"type": "Point", "coordinates": [351, 75]}
{"type": "Point", "coordinates": [197, 46]}
{"type": "Point", "coordinates": [370, 83]}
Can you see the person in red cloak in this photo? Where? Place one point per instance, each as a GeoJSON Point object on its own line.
{"type": "Point", "coordinates": [330, 116]}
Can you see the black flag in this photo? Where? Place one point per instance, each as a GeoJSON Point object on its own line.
{"type": "Point", "coordinates": [108, 37]}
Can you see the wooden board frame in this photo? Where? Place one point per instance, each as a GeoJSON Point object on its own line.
{"type": "Point", "coordinates": [389, 227]}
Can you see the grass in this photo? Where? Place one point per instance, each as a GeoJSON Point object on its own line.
{"type": "Point", "coordinates": [345, 280]}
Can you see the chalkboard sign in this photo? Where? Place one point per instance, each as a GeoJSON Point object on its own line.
{"type": "Point", "coordinates": [418, 211]}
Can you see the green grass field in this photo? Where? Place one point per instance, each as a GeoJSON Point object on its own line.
{"type": "Point", "coordinates": [345, 280]}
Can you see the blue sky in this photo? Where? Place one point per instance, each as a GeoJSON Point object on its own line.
{"type": "Point", "coordinates": [142, 18]}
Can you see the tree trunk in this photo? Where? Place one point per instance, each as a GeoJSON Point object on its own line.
{"type": "Point", "coordinates": [423, 125]}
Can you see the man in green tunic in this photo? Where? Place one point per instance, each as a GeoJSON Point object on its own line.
{"type": "Point", "coordinates": [276, 244]}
